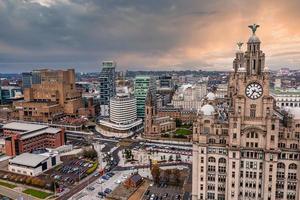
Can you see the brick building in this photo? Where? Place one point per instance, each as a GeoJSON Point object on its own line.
{"type": "Point", "coordinates": [25, 137]}
{"type": "Point", "coordinates": [54, 96]}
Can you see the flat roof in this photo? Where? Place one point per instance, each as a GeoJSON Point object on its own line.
{"type": "Point", "coordinates": [30, 130]}
{"type": "Point", "coordinates": [23, 126]}
{"type": "Point", "coordinates": [28, 159]}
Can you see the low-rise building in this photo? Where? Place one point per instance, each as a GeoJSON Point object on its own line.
{"type": "Point", "coordinates": [33, 164]}
{"type": "Point", "coordinates": [286, 98]}
{"type": "Point", "coordinates": [26, 137]}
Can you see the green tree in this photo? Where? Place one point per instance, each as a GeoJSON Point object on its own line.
{"type": "Point", "coordinates": [178, 122]}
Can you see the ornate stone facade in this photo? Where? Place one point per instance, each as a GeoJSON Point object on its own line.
{"type": "Point", "coordinates": [254, 152]}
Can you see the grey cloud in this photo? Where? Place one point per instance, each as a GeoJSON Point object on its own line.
{"type": "Point", "coordinates": [82, 32]}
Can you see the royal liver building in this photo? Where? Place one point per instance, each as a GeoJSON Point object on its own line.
{"type": "Point", "coordinates": [244, 147]}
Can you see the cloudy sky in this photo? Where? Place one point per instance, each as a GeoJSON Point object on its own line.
{"type": "Point", "coordinates": [144, 34]}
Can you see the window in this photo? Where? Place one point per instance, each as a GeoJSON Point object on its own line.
{"type": "Point", "coordinates": [293, 166]}
{"type": "Point", "coordinates": [234, 136]}
{"type": "Point", "coordinates": [272, 138]}
{"type": "Point", "coordinates": [273, 127]}
{"type": "Point", "coordinates": [211, 159]}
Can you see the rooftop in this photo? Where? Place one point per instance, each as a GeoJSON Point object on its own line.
{"type": "Point", "coordinates": [25, 127]}
{"type": "Point", "coordinates": [28, 159]}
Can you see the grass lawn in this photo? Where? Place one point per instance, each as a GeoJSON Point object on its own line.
{"type": "Point", "coordinates": [37, 193]}
{"type": "Point", "coordinates": [183, 131]}
{"type": "Point", "coordinates": [9, 185]}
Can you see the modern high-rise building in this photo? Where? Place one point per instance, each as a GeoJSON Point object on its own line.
{"type": "Point", "coordinates": [26, 80]}
{"type": "Point", "coordinates": [143, 84]}
{"type": "Point", "coordinates": [55, 96]}
{"type": "Point", "coordinates": [30, 78]}
{"type": "Point", "coordinates": [107, 87]}
{"type": "Point", "coordinates": [123, 121]}
{"type": "Point", "coordinates": [245, 148]}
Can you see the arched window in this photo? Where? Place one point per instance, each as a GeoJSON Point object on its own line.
{"type": "Point", "coordinates": [293, 166]}
{"type": "Point", "coordinates": [222, 160]}
{"type": "Point", "coordinates": [280, 165]}
{"type": "Point", "coordinates": [211, 159]}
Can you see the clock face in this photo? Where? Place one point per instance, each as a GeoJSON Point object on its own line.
{"type": "Point", "coordinates": [254, 91]}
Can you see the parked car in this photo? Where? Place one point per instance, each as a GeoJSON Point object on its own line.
{"type": "Point", "coordinates": [102, 194]}
{"type": "Point", "coordinates": [90, 188]}
{"type": "Point", "coordinates": [107, 190]}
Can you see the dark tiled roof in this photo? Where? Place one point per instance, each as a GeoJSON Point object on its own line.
{"type": "Point", "coordinates": [136, 178]}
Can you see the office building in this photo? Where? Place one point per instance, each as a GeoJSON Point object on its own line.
{"type": "Point", "coordinates": [253, 151]}
{"type": "Point", "coordinates": [26, 80]}
{"type": "Point", "coordinates": [24, 137]}
{"type": "Point", "coordinates": [10, 94]}
{"type": "Point", "coordinates": [143, 84]}
{"type": "Point", "coordinates": [55, 96]}
{"type": "Point", "coordinates": [287, 97]}
{"type": "Point", "coordinates": [123, 121]}
{"type": "Point", "coordinates": [189, 96]}
{"type": "Point", "coordinates": [30, 78]}
{"type": "Point", "coordinates": [107, 87]}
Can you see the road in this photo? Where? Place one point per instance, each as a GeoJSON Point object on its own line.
{"type": "Point", "coordinates": [112, 142]}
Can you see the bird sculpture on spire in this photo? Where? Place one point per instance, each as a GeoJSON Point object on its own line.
{"type": "Point", "coordinates": [240, 44]}
{"type": "Point", "coordinates": [253, 28]}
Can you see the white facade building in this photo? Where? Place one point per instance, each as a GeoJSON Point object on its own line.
{"type": "Point", "coordinates": [123, 109]}
{"type": "Point", "coordinates": [287, 98]}
{"type": "Point", "coordinates": [33, 164]}
{"type": "Point", "coordinates": [189, 96]}
{"type": "Point", "coordinates": [123, 121]}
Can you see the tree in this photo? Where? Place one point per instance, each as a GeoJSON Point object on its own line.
{"type": "Point", "coordinates": [90, 154]}
{"type": "Point", "coordinates": [28, 180]}
{"type": "Point", "coordinates": [155, 172]}
{"type": "Point", "coordinates": [128, 154]}
{"type": "Point", "coordinates": [178, 122]}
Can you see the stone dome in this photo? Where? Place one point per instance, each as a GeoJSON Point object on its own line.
{"type": "Point", "coordinates": [254, 39]}
{"type": "Point", "coordinates": [294, 111]}
{"type": "Point", "coordinates": [207, 109]}
{"type": "Point", "coordinates": [211, 96]}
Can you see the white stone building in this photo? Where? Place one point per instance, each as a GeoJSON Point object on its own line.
{"type": "Point", "coordinates": [286, 98]}
{"type": "Point", "coordinates": [33, 164]}
{"type": "Point", "coordinates": [189, 96]}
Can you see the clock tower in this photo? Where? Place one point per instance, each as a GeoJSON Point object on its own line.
{"type": "Point", "coordinates": [249, 80]}
{"type": "Point", "coordinates": [252, 120]}
{"type": "Point", "coordinates": [249, 149]}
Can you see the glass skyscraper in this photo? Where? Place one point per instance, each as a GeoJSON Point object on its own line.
{"type": "Point", "coordinates": [107, 87]}
{"type": "Point", "coordinates": [141, 86]}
